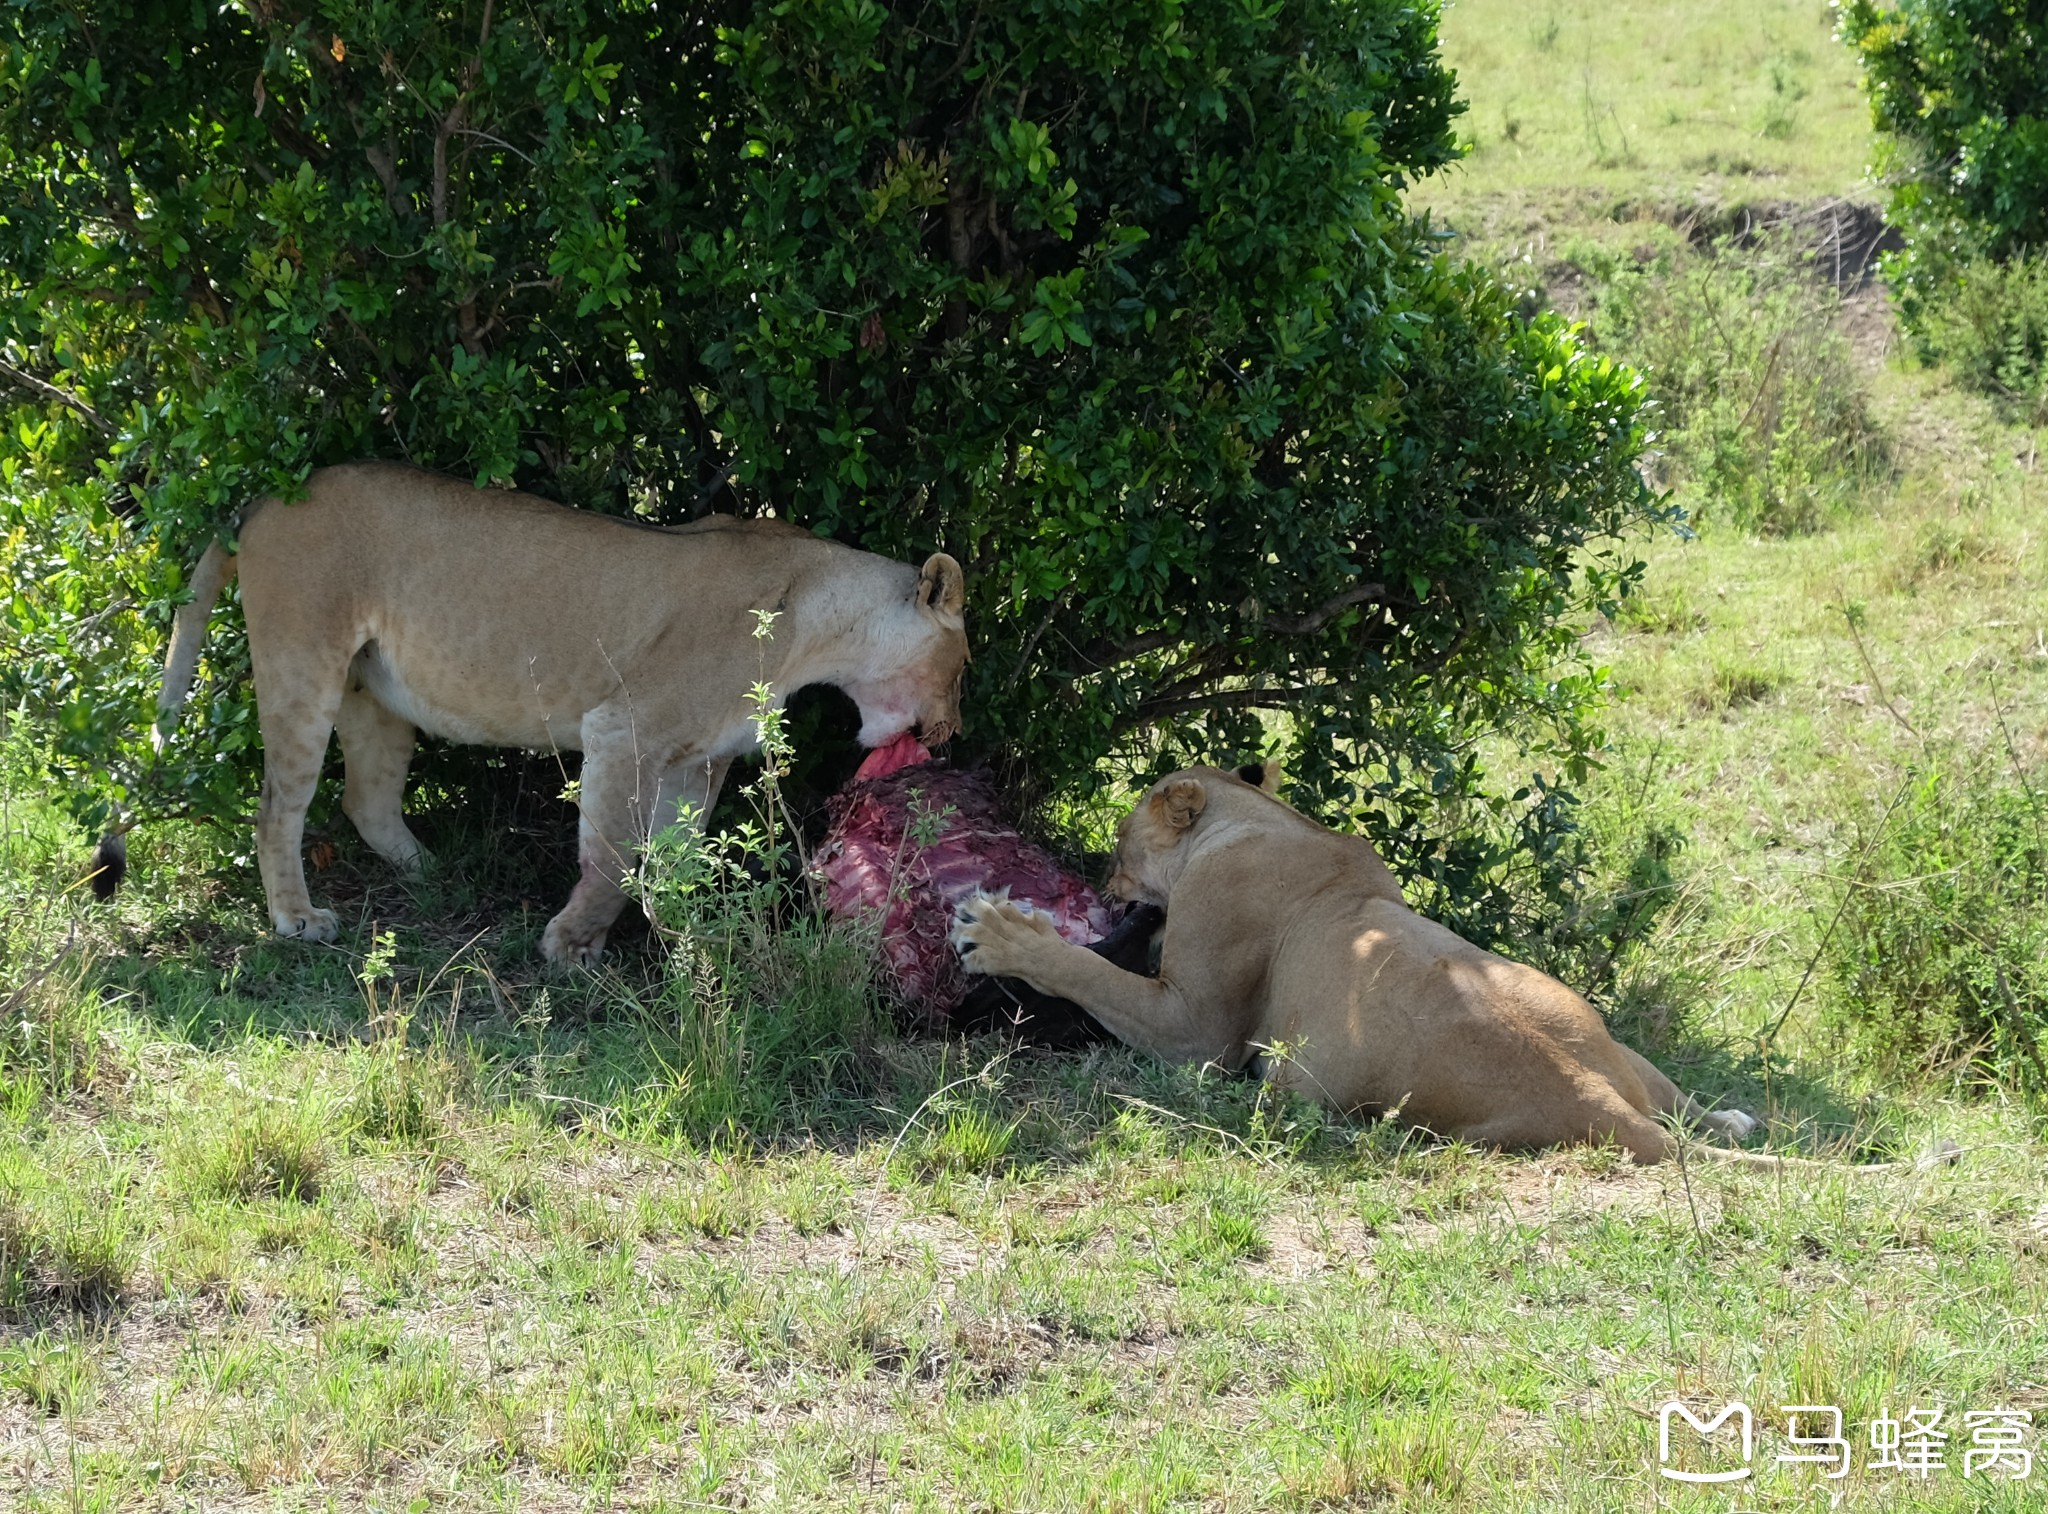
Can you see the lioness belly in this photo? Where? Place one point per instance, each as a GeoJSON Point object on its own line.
{"type": "Point", "coordinates": [435, 705]}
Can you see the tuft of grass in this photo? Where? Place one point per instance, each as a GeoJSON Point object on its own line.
{"type": "Point", "coordinates": [403, 1096]}
{"type": "Point", "coordinates": [1660, 612]}
{"type": "Point", "coordinates": [1940, 958]}
{"type": "Point", "coordinates": [68, 1245]}
{"type": "Point", "coordinates": [276, 1151]}
{"type": "Point", "coordinates": [963, 1135]}
{"type": "Point", "coordinates": [1730, 685]}
{"type": "Point", "coordinates": [54, 1041]}
{"type": "Point", "coordinates": [55, 1373]}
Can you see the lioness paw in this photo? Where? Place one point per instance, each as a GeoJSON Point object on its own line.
{"type": "Point", "coordinates": [994, 935]}
{"type": "Point", "coordinates": [566, 945]}
{"type": "Point", "coordinates": [1732, 1123]}
{"type": "Point", "coordinates": [306, 924]}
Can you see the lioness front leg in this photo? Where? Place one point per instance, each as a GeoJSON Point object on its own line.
{"type": "Point", "coordinates": [615, 797]}
{"type": "Point", "coordinates": [623, 796]}
{"type": "Point", "coordinates": [994, 936]}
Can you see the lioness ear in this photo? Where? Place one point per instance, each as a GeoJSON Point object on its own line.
{"type": "Point", "coordinates": [1179, 802]}
{"type": "Point", "coordinates": [1264, 776]}
{"type": "Point", "coordinates": [941, 586]}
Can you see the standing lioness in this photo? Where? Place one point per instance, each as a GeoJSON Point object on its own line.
{"type": "Point", "coordinates": [1289, 944]}
{"type": "Point", "coordinates": [392, 601]}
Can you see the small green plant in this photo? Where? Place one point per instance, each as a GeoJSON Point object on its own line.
{"type": "Point", "coordinates": [404, 1090]}
{"type": "Point", "coordinates": [1780, 118]}
{"type": "Point", "coordinates": [766, 1005]}
{"type": "Point", "coordinates": [1990, 326]}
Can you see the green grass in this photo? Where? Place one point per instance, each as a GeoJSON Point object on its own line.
{"type": "Point", "coordinates": [1663, 102]}
{"type": "Point", "coordinates": [990, 1281]}
{"type": "Point", "coordinates": [1775, 693]}
{"type": "Point", "coordinates": [410, 1224]}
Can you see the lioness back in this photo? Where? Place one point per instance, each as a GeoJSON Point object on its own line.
{"type": "Point", "coordinates": [491, 616]}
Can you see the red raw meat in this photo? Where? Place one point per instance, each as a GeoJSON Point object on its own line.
{"type": "Point", "coordinates": [873, 863]}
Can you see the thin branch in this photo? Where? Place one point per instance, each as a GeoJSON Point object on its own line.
{"type": "Point", "coordinates": [1031, 642]}
{"type": "Point", "coordinates": [1270, 698]}
{"type": "Point", "coordinates": [1765, 1040]}
{"type": "Point", "coordinates": [472, 333]}
{"type": "Point", "coordinates": [1869, 667]}
{"type": "Point", "coordinates": [50, 391]}
{"type": "Point", "coordinates": [1321, 615]}
{"type": "Point", "coordinates": [1104, 653]}
{"type": "Point", "coordinates": [456, 119]}
{"type": "Point", "coordinates": [495, 141]}
{"type": "Point", "coordinates": [1770, 372]}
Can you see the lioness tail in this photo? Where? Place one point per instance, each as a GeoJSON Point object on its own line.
{"type": "Point", "coordinates": [1941, 1154]}
{"type": "Point", "coordinates": [188, 634]}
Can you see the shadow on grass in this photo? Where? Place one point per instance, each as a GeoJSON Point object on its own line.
{"type": "Point", "coordinates": [621, 1051]}
{"type": "Point", "coordinates": [617, 1053]}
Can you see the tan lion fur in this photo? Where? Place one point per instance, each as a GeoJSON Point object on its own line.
{"type": "Point", "coordinates": [391, 601]}
{"type": "Point", "coordinates": [1289, 943]}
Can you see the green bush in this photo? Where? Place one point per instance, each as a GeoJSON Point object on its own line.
{"type": "Point", "coordinates": [1115, 299]}
{"type": "Point", "coordinates": [1767, 424]}
{"type": "Point", "coordinates": [1940, 954]}
{"type": "Point", "coordinates": [1960, 98]}
{"type": "Point", "coordinates": [1991, 328]}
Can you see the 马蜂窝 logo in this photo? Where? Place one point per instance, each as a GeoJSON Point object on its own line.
{"type": "Point", "coordinates": [1738, 1412]}
{"type": "Point", "coordinates": [1917, 1445]}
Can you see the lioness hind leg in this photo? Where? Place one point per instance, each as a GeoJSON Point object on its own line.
{"type": "Point", "coordinates": [1667, 1098]}
{"type": "Point", "coordinates": [296, 720]}
{"type": "Point", "coordinates": [1593, 1119]}
{"type": "Point", "coordinates": [376, 749]}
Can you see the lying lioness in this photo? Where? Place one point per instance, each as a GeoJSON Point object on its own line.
{"type": "Point", "coordinates": [392, 601]}
{"type": "Point", "coordinates": [1288, 949]}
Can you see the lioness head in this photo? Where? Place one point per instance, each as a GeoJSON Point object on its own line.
{"type": "Point", "coordinates": [923, 654]}
{"type": "Point", "coordinates": [1151, 843]}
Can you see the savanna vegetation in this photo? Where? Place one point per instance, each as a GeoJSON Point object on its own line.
{"type": "Point", "coordinates": [410, 1223]}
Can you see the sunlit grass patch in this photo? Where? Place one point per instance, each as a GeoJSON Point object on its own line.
{"type": "Point", "coordinates": [1743, 100]}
